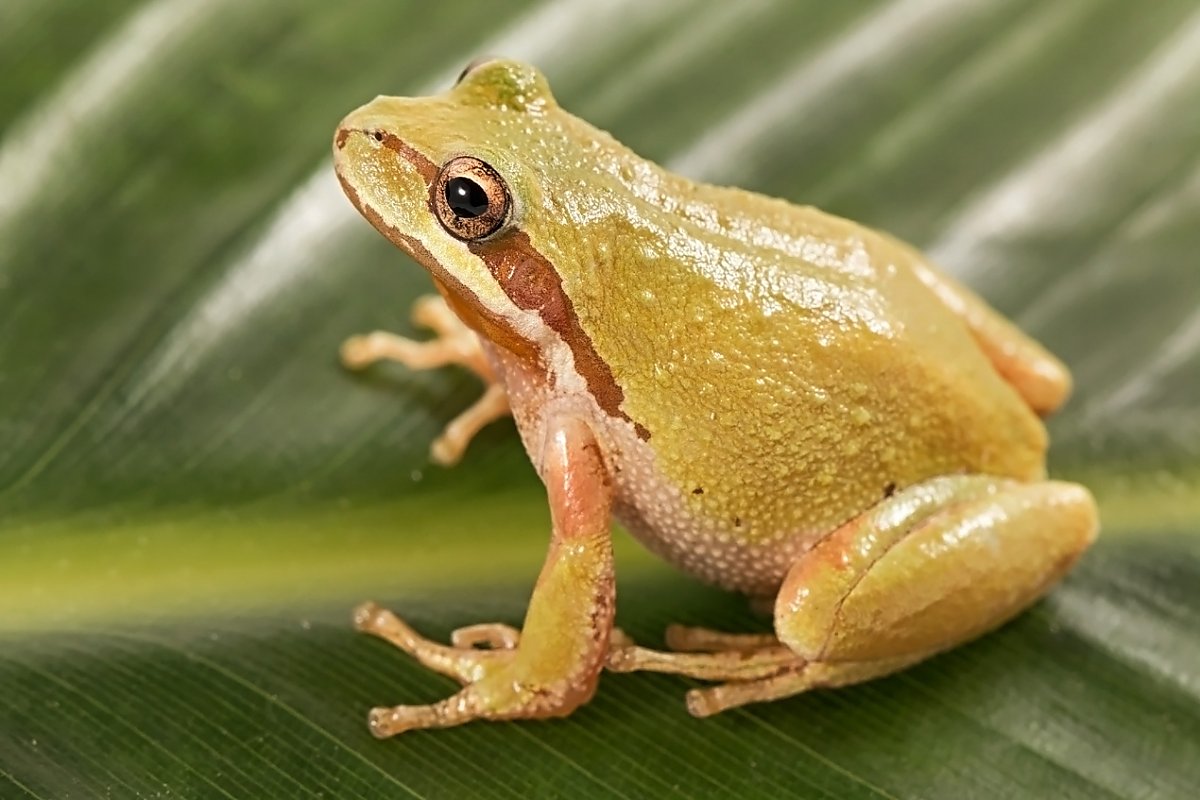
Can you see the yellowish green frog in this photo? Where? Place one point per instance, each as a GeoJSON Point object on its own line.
{"type": "Point", "coordinates": [779, 401]}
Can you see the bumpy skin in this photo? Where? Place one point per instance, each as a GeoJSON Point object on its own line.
{"type": "Point", "coordinates": [758, 378]}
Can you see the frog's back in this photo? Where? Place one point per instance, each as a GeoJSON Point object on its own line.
{"type": "Point", "coordinates": [799, 370]}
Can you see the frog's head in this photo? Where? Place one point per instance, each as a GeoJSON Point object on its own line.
{"type": "Point", "coordinates": [504, 197]}
{"type": "Point", "coordinates": [470, 184]}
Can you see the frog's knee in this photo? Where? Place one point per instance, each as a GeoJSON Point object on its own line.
{"type": "Point", "coordinates": [937, 564]}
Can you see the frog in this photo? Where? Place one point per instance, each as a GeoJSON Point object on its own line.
{"type": "Point", "coordinates": [781, 402]}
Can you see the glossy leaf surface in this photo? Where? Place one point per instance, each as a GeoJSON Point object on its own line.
{"type": "Point", "coordinates": [193, 494]}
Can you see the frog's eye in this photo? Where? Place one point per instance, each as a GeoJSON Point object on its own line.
{"type": "Point", "coordinates": [470, 199]}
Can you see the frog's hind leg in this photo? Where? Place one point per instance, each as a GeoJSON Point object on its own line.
{"type": "Point", "coordinates": [1041, 379]}
{"type": "Point", "coordinates": [930, 568]}
{"type": "Point", "coordinates": [752, 667]}
{"type": "Point", "coordinates": [455, 344]}
{"type": "Point", "coordinates": [787, 682]}
{"type": "Point", "coordinates": [732, 664]}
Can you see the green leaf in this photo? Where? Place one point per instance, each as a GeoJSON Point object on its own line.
{"type": "Point", "coordinates": [193, 495]}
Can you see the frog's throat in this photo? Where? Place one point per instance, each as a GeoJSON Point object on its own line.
{"type": "Point", "coordinates": [525, 276]}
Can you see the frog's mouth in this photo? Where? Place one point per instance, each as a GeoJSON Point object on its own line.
{"type": "Point", "coordinates": [343, 143]}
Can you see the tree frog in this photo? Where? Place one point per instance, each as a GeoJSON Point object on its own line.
{"type": "Point", "coordinates": [779, 401]}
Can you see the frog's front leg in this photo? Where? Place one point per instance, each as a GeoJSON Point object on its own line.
{"type": "Point", "coordinates": [455, 344]}
{"type": "Point", "coordinates": [553, 666]}
{"type": "Point", "coordinates": [934, 566]}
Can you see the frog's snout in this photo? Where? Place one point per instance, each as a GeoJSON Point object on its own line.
{"type": "Point", "coordinates": [345, 132]}
{"type": "Point", "coordinates": [357, 121]}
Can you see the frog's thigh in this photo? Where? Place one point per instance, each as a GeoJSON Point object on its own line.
{"type": "Point", "coordinates": [935, 565]}
{"type": "Point", "coordinates": [1036, 373]}
{"type": "Point", "coordinates": [930, 568]}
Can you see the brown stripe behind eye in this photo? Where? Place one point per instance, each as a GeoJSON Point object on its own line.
{"type": "Point", "coordinates": [532, 284]}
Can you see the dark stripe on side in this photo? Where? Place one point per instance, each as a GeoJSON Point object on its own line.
{"type": "Point", "coordinates": [525, 276]}
{"type": "Point", "coordinates": [533, 284]}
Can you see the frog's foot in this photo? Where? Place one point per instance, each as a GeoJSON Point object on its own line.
{"type": "Point", "coordinates": [465, 661]}
{"type": "Point", "coordinates": [495, 635]}
{"type": "Point", "coordinates": [795, 679]}
{"type": "Point", "coordinates": [753, 667]}
{"type": "Point", "coordinates": [448, 448]}
{"type": "Point", "coordinates": [484, 658]}
{"type": "Point", "coordinates": [455, 344]}
{"type": "Point", "coordinates": [732, 664]}
{"type": "Point", "coordinates": [475, 652]}
{"type": "Point", "coordinates": [930, 568]}
{"type": "Point", "coordinates": [707, 654]}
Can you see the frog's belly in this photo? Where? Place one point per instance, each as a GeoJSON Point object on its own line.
{"type": "Point", "coordinates": [659, 516]}
{"type": "Point", "coordinates": [753, 568]}
{"type": "Point", "coordinates": [653, 510]}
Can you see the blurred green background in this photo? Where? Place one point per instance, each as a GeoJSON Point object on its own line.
{"type": "Point", "coordinates": [193, 494]}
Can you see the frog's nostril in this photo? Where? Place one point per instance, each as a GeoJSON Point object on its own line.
{"type": "Point", "coordinates": [377, 135]}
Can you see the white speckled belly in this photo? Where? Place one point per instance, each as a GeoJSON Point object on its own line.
{"type": "Point", "coordinates": [660, 517]}
{"type": "Point", "coordinates": [654, 511]}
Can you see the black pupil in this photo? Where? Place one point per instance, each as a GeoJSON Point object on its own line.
{"type": "Point", "coordinates": [466, 197]}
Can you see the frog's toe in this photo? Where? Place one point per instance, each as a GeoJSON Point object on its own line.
{"type": "Point", "coordinates": [714, 699]}
{"type": "Point", "coordinates": [800, 676]}
{"type": "Point", "coordinates": [463, 663]}
{"type": "Point", "coordinates": [494, 635]}
{"type": "Point", "coordinates": [685, 638]}
{"type": "Point", "coordinates": [619, 638]}
{"type": "Point", "coordinates": [705, 654]}
{"type": "Point", "coordinates": [357, 352]}
{"type": "Point", "coordinates": [361, 351]}
{"type": "Point", "coordinates": [367, 616]}
{"type": "Point", "coordinates": [447, 450]}
{"type": "Point", "coordinates": [511, 692]}
{"type": "Point", "coordinates": [724, 665]}
{"type": "Point", "coordinates": [456, 345]}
